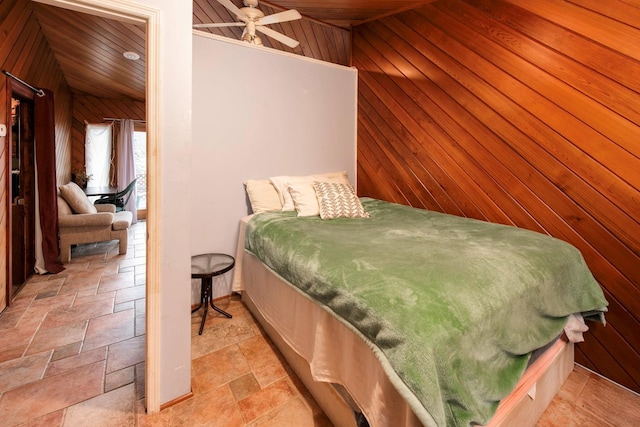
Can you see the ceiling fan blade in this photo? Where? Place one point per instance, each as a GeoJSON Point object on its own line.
{"type": "Point", "coordinates": [217, 25]}
{"type": "Point", "coordinates": [234, 9]}
{"type": "Point", "coordinates": [278, 36]}
{"type": "Point", "coordinates": [287, 15]}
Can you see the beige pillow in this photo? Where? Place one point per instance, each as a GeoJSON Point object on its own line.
{"type": "Point", "coordinates": [77, 200]}
{"type": "Point", "coordinates": [282, 183]}
{"type": "Point", "coordinates": [262, 196]}
{"type": "Point", "coordinates": [338, 201]}
{"type": "Point", "coordinates": [63, 207]}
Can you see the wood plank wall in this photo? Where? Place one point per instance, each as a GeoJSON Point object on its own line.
{"type": "Point", "coordinates": [26, 54]}
{"type": "Point", "coordinates": [522, 112]}
{"type": "Point", "coordinates": [91, 109]}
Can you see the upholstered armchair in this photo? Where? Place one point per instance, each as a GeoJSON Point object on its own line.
{"type": "Point", "coordinates": [80, 221]}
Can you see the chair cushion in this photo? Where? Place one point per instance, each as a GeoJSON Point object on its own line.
{"type": "Point", "coordinates": [105, 208]}
{"type": "Point", "coordinates": [122, 220]}
{"type": "Point", "coordinates": [77, 200]}
{"type": "Point", "coordinates": [82, 222]}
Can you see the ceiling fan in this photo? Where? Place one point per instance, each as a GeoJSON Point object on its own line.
{"type": "Point", "coordinates": [253, 19]}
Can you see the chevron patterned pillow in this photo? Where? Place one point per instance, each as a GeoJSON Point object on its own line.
{"type": "Point", "coordinates": [337, 200]}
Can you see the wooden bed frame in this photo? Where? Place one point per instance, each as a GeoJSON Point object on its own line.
{"type": "Point", "coordinates": [523, 407]}
{"type": "Point", "coordinates": [537, 387]}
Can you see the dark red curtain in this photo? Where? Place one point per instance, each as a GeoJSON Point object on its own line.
{"type": "Point", "coordinates": [47, 188]}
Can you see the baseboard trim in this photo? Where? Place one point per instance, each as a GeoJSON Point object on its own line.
{"type": "Point", "coordinates": [176, 400]}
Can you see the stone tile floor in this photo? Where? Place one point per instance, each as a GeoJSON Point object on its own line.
{"type": "Point", "coordinates": [72, 344]}
{"type": "Point", "coordinates": [72, 354]}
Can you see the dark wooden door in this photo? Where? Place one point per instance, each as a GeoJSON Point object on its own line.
{"type": "Point", "coordinates": [22, 221]}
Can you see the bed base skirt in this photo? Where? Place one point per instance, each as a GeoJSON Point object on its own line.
{"type": "Point", "coordinates": [332, 403]}
{"type": "Point", "coordinates": [523, 407]}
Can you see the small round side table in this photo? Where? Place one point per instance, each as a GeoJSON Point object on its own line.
{"type": "Point", "coordinates": [205, 267]}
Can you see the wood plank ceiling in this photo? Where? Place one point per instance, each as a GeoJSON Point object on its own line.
{"type": "Point", "coordinates": [90, 49]}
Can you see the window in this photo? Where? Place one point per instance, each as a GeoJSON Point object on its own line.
{"type": "Point", "coordinates": [97, 154]}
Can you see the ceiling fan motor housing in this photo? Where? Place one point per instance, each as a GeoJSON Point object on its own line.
{"type": "Point", "coordinates": [251, 3]}
{"type": "Point", "coordinates": [252, 13]}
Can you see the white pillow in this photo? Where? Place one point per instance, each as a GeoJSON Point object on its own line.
{"type": "Point", "coordinates": [305, 200]}
{"type": "Point", "coordinates": [77, 200]}
{"type": "Point", "coordinates": [262, 195]}
{"type": "Point", "coordinates": [281, 184]}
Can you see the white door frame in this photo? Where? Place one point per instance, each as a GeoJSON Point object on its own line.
{"type": "Point", "coordinates": [139, 14]}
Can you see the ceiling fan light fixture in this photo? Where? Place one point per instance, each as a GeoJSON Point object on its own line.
{"type": "Point", "coordinates": [131, 56]}
{"type": "Point", "coordinates": [253, 39]}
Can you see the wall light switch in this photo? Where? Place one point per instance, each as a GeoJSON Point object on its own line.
{"type": "Point", "coordinates": [3, 130]}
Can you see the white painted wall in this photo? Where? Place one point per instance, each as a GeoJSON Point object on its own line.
{"type": "Point", "coordinates": [174, 146]}
{"type": "Point", "coordinates": [258, 112]}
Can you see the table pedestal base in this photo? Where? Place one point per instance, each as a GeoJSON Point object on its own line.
{"type": "Point", "coordinates": [206, 299]}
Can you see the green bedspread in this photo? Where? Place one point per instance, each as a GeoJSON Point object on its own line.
{"type": "Point", "coordinates": [453, 305]}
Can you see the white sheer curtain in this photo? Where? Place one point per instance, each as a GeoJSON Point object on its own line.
{"type": "Point", "coordinates": [126, 164]}
{"type": "Point", "coordinates": [97, 149]}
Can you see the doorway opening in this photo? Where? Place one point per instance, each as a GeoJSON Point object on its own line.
{"type": "Point", "coordinates": [22, 213]}
{"type": "Point", "coordinates": [136, 13]}
{"type": "Point", "coordinates": [140, 165]}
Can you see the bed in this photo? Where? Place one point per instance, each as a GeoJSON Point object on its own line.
{"type": "Point", "coordinates": [370, 311]}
